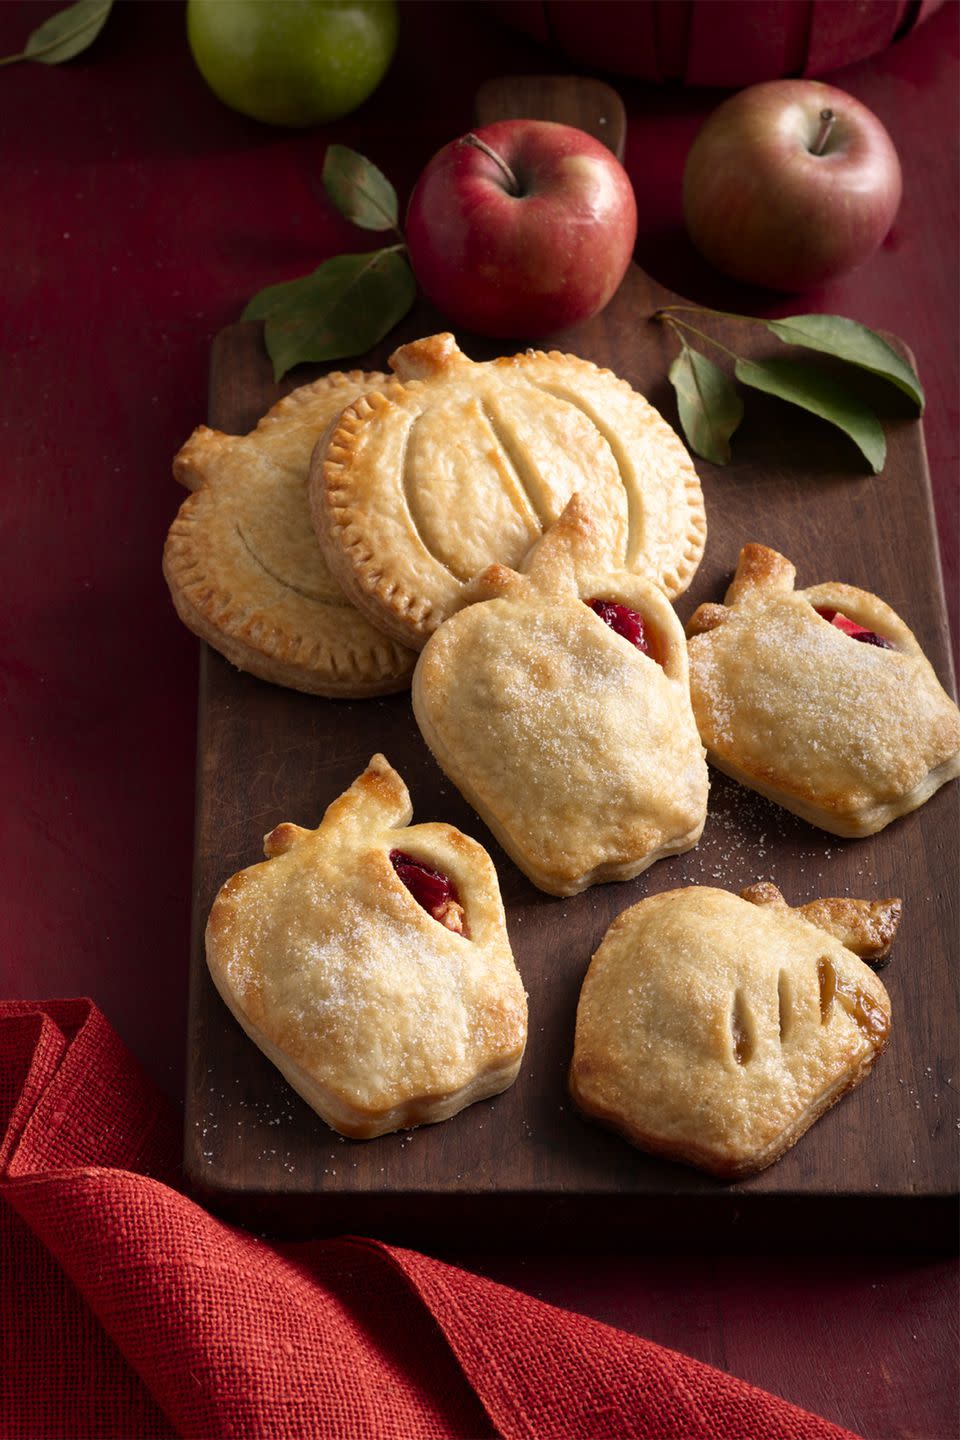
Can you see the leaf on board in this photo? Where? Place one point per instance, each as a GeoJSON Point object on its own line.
{"type": "Point", "coordinates": [343, 308]}
{"type": "Point", "coordinates": [847, 340]}
{"type": "Point", "coordinates": [710, 408]}
{"type": "Point", "coordinates": [806, 386]}
{"type": "Point", "coordinates": [360, 191]}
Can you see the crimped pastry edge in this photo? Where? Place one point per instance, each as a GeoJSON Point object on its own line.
{"type": "Point", "coordinates": [675, 581]}
{"type": "Point", "coordinates": [252, 643]}
{"type": "Point", "coordinates": [410, 619]}
{"type": "Point", "coordinates": [254, 654]}
{"type": "Point", "coordinates": [378, 596]}
{"type": "Point", "coordinates": [249, 641]}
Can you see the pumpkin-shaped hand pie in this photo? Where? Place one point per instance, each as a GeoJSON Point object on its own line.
{"type": "Point", "coordinates": [715, 1029]}
{"type": "Point", "coordinates": [559, 707]}
{"type": "Point", "coordinates": [819, 699]}
{"type": "Point", "coordinates": [455, 466]}
{"type": "Point", "coordinates": [370, 962]}
{"type": "Point", "coordinates": [242, 561]}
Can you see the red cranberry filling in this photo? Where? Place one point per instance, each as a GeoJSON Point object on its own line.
{"type": "Point", "coordinates": [627, 623]}
{"type": "Point", "coordinates": [851, 628]}
{"type": "Point", "coordinates": [432, 889]}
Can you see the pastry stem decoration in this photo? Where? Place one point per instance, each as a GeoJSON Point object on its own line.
{"type": "Point", "coordinates": [867, 927]}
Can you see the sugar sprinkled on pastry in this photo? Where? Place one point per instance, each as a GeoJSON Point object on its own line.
{"type": "Point", "coordinates": [242, 561]}
{"type": "Point", "coordinates": [369, 960]}
{"type": "Point", "coordinates": [715, 1029]}
{"type": "Point", "coordinates": [820, 699]}
{"type": "Point", "coordinates": [454, 466]}
{"type": "Point", "coordinates": [559, 707]}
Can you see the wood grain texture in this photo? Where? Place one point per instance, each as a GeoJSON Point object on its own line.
{"type": "Point", "coordinates": [588, 104]}
{"type": "Point", "coordinates": [878, 1169]}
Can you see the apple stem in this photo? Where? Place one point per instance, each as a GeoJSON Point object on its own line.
{"type": "Point", "coordinates": [827, 121]}
{"type": "Point", "coordinates": [479, 144]}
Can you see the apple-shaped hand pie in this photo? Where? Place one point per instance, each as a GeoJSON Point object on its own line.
{"type": "Point", "coordinates": [242, 561]}
{"type": "Point", "coordinates": [370, 962]}
{"type": "Point", "coordinates": [454, 466]}
{"type": "Point", "coordinates": [559, 706]}
{"type": "Point", "coordinates": [715, 1029]}
{"type": "Point", "coordinates": [819, 699]}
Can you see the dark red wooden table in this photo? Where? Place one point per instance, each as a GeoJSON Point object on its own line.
{"type": "Point", "coordinates": [139, 216]}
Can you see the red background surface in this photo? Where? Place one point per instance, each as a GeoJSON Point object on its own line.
{"type": "Point", "coordinates": [140, 214]}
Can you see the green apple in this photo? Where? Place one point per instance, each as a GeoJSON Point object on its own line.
{"type": "Point", "coordinates": [292, 62]}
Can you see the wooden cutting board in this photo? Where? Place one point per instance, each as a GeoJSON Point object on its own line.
{"type": "Point", "coordinates": [880, 1167]}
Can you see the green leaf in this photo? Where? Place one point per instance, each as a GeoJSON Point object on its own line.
{"type": "Point", "coordinates": [710, 408]}
{"type": "Point", "coordinates": [812, 390]}
{"type": "Point", "coordinates": [343, 308]}
{"type": "Point", "coordinates": [66, 34]}
{"type": "Point", "coordinates": [835, 335]}
{"type": "Point", "coordinates": [272, 297]}
{"type": "Point", "coordinates": [359, 190]}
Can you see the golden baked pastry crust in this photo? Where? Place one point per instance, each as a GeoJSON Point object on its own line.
{"type": "Point", "coordinates": [844, 734]}
{"type": "Point", "coordinates": [242, 561]}
{"type": "Point", "coordinates": [378, 1015]}
{"type": "Point", "coordinates": [867, 927]}
{"type": "Point", "coordinates": [578, 751]}
{"type": "Point", "coordinates": [453, 466]}
{"type": "Point", "coordinates": [715, 1031]}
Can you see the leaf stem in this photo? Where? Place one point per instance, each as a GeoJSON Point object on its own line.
{"type": "Point", "coordinates": [673, 323]}
{"type": "Point", "coordinates": [675, 327]}
{"type": "Point", "coordinates": [706, 310]}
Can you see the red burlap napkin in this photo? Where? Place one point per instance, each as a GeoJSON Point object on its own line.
{"type": "Point", "coordinates": [129, 1311]}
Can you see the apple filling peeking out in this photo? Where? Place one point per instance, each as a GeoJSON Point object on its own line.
{"type": "Point", "coordinates": [432, 889]}
{"type": "Point", "coordinates": [848, 737]}
{"type": "Point", "coordinates": [626, 622]}
{"type": "Point", "coordinates": [851, 628]}
{"type": "Point", "coordinates": [581, 756]}
{"type": "Point", "coordinates": [378, 1017]}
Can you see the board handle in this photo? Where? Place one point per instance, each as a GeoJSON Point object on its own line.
{"type": "Point", "coordinates": [577, 100]}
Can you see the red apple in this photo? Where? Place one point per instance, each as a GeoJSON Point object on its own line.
{"type": "Point", "coordinates": [521, 229]}
{"type": "Point", "coordinates": [789, 183]}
